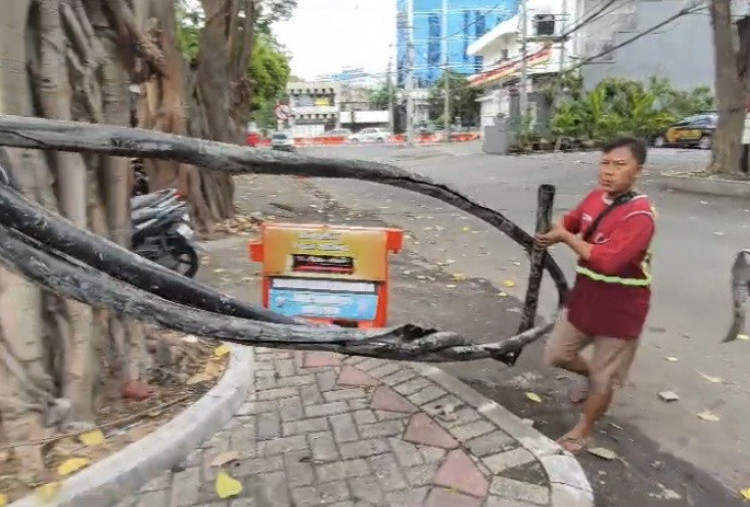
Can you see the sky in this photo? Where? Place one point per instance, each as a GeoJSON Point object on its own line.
{"type": "Point", "coordinates": [325, 35]}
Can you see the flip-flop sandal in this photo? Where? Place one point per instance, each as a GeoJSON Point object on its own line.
{"type": "Point", "coordinates": [579, 392]}
{"type": "Point", "coordinates": [574, 445]}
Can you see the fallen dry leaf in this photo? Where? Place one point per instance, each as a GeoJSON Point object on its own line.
{"type": "Point", "coordinates": [534, 397]}
{"type": "Point", "coordinates": [708, 416]}
{"type": "Point", "coordinates": [451, 285]}
{"type": "Point", "coordinates": [516, 263]}
{"type": "Point", "coordinates": [459, 276]}
{"type": "Point", "coordinates": [227, 486]}
{"type": "Point", "coordinates": [745, 494]}
{"type": "Point", "coordinates": [465, 229]}
{"type": "Point", "coordinates": [713, 380]}
{"type": "Point", "coordinates": [668, 396]}
{"type": "Point", "coordinates": [509, 283]}
{"type": "Point", "coordinates": [502, 294]}
{"type": "Point", "coordinates": [743, 337]}
{"type": "Point", "coordinates": [3, 500]}
{"type": "Point", "coordinates": [603, 453]}
{"type": "Point", "coordinates": [222, 350]}
{"type": "Point", "coordinates": [47, 492]}
{"type": "Point", "coordinates": [224, 458]}
{"type": "Point", "coordinates": [93, 438]}
{"type": "Point", "coordinates": [198, 378]}
{"type": "Point", "coordinates": [72, 465]}
{"type": "Point", "coordinates": [671, 359]}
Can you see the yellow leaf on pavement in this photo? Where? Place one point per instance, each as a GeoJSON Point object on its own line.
{"type": "Point", "coordinates": [744, 494]}
{"type": "Point", "coordinates": [465, 229]}
{"type": "Point", "coordinates": [227, 486]}
{"type": "Point", "coordinates": [502, 294]}
{"type": "Point", "coordinates": [713, 380]}
{"type": "Point", "coordinates": [459, 276]}
{"type": "Point", "coordinates": [743, 337]}
{"type": "Point", "coordinates": [534, 397]}
{"type": "Point", "coordinates": [509, 283]}
{"type": "Point", "coordinates": [3, 500]}
{"type": "Point", "coordinates": [93, 438]}
{"type": "Point", "coordinates": [671, 359]}
{"type": "Point", "coordinates": [72, 465]}
{"type": "Point", "coordinates": [222, 350]}
{"type": "Point", "coordinates": [198, 378]}
{"type": "Point", "coordinates": [708, 416]}
{"type": "Point", "coordinates": [46, 492]}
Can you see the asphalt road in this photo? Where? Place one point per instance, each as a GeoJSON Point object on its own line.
{"type": "Point", "coordinates": [697, 238]}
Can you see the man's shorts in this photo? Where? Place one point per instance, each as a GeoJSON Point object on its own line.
{"type": "Point", "coordinates": [611, 360]}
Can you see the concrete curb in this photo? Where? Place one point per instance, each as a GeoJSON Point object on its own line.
{"type": "Point", "coordinates": [108, 481]}
{"type": "Point", "coordinates": [685, 182]}
{"type": "Point", "coordinates": [569, 485]}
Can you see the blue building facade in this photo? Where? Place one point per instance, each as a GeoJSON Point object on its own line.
{"type": "Point", "coordinates": [467, 21]}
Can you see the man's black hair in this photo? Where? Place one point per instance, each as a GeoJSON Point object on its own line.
{"type": "Point", "coordinates": [637, 147]}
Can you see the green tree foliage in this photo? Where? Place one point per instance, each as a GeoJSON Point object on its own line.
{"type": "Point", "coordinates": [463, 99]}
{"type": "Point", "coordinates": [269, 65]}
{"type": "Point", "coordinates": [622, 106]}
{"type": "Point", "coordinates": [382, 96]}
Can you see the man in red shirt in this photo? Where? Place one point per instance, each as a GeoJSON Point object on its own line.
{"type": "Point", "coordinates": [611, 232]}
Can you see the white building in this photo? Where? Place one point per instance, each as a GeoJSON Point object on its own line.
{"type": "Point", "coordinates": [314, 107]}
{"type": "Point", "coordinates": [501, 49]}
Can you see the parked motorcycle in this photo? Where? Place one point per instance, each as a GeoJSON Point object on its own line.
{"type": "Point", "coordinates": [161, 231]}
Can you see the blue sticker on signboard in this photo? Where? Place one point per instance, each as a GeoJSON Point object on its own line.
{"type": "Point", "coordinates": [325, 305]}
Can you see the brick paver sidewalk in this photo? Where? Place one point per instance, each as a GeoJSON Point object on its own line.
{"type": "Point", "coordinates": [323, 430]}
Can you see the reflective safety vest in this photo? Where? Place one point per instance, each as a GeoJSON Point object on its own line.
{"type": "Point", "coordinates": [629, 282]}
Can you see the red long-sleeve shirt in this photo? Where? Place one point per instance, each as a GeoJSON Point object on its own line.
{"type": "Point", "coordinates": [600, 302]}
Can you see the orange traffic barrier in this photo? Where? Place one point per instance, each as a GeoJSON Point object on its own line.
{"type": "Point", "coordinates": [328, 274]}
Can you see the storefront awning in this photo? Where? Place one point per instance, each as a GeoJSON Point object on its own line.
{"type": "Point", "coordinates": [510, 68]}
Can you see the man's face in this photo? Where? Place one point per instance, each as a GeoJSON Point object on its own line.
{"type": "Point", "coordinates": [618, 171]}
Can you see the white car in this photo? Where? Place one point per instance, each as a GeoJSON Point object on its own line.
{"type": "Point", "coordinates": [282, 141]}
{"type": "Point", "coordinates": [370, 135]}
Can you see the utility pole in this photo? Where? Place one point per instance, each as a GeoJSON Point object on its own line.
{"type": "Point", "coordinates": [389, 91]}
{"type": "Point", "coordinates": [523, 96]}
{"type": "Point", "coordinates": [446, 75]}
{"type": "Point", "coordinates": [409, 85]}
{"type": "Point", "coordinates": [563, 42]}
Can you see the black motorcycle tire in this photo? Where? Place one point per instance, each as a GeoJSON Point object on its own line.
{"type": "Point", "coordinates": [179, 248]}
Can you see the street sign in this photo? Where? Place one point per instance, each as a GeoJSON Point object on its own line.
{"type": "Point", "coordinates": [327, 274]}
{"type": "Point", "coordinates": [283, 112]}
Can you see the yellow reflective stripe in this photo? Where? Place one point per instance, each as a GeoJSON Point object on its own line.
{"type": "Point", "coordinates": [630, 282]}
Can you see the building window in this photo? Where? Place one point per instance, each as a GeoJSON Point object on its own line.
{"type": "Point", "coordinates": [545, 24]}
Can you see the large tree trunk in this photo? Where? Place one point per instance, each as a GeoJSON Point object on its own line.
{"type": "Point", "coordinates": [54, 63]}
{"type": "Point", "coordinates": [730, 92]}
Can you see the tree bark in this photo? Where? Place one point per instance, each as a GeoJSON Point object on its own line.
{"type": "Point", "coordinates": [730, 92]}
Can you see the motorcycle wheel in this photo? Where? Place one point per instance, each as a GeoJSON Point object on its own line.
{"type": "Point", "coordinates": [183, 257]}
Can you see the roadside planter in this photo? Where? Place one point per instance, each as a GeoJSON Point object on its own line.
{"type": "Point", "coordinates": [327, 274]}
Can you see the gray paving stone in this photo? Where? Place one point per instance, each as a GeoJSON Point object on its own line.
{"type": "Point", "coordinates": [296, 380]}
{"type": "Point", "coordinates": [185, 487]}
{"type": "Point", "coordinates": [508, 459]}
{"type": "Point", "coordinates": [267, 489]}
{"type": "Point", "coordinates": [365, 416]}
{"type": "Point", "coordinates": [370, 364]}
{"type": "Point", "coordinates": [496, 501]}
{"type": "Point", "coordinates": [399, 377]}
{"type": "Point", "coordinates": [472, 430]}
{"type": "Point", "coordinates": [407, 454]}
{"type": "Point", "coordinates": [154, 498]}
{"type": "Point", "coordinates": [364, 489]}
{"type": "Point", "coordinates": [308, 496]}
{"type": "Point", "coordinates": [359, 404]}
{"type": "Point", "coordinates": [327, 380]}
{"type": "Point", "coordinates": [323, 446]}
{"type": "Point", "coordinates": [161, 481]}
{"type": "Point", "coordinates": [258, 466]}
{"type": "Point", "coordinates": [364, 448]}
{"type": "Point", "coordinates": [290, 409]}
{"type": "Point", "coordinates": [310, 395]}
{"type": "Point", "coordinates": [426, 395]}
{"type": "Point", "coordinates": [421, 475]}
{"type": "Point", "coordinates": [334, 407]}
{"type": "Point", "coordinates": [344, 429]}
{"type": "Point", "coordinates": [345, 394]}
{"type": "Point", "coordinates": [412, 386]}
{"type": "Point", "coordinates": [382, 429]}
{"type": "Point", "coordinates": [336, 471]}
{"type": "Point", "coordinates": [407, 498]}
{"type": "Point", "coordinates": [285, 367]}
{"type": "Point", "coordinates": [387, 471]}
{"type": "Point", "coordinates": [303, 426]}
{"type": "Point", "coordinates": [385, 370]}
{"type": "Point", "coordinates": [384, 415]}
{"type": "Point", "coordinates": [299, 469]}
{"type": "Point", "coordinates": [282, 445]}
{"type": "Point", "coordinates": [491, 443]}
{"type": "Point", "coordinates": [431, 454]}
{"type": "Point", "coordinates": [268, 425]}
{"type": "Point", "coordinates": [277, 394]}
{"type": "Point", "coordinates": [517, 490]}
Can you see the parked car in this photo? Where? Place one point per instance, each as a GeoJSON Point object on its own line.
{"type": "Point", "coordinates": [282, 141]}
{"type": "Point", "coordinates": [694, 131]}
{"type": "Point", "coordinates": [370, 135]}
